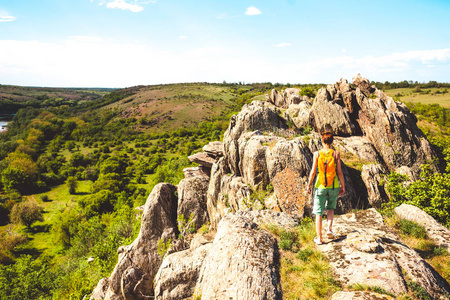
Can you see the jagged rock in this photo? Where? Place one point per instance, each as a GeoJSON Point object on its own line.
{"type": "Point", "coordinates": [252, 153]}
{"type": "Point", "coordinates": [99, 292]}
{"type": "Point", "coordinates": [139, 262]}
{"type": "Point", "coordinates": [214, 149]}
{"type": "Point", "coordinates": [367, 252]}
{"type": "Point", "coordinates": [196, 171]}
{"type": "Point", "coordinates": [391, 128]}
{"type": "Point", "coordinates": [299, 114]}
{"type": "Point", "coordinates": [226, 192]}
{"type": "Point", "coordinates": [358, 146]}
{"type": "Point", "coordinates": [269, 217]}
{"type": "Point", "coordinates": [192, 199]}
{"type": "Point", "coordinates": [435, 231]}
{"type": "Point", "coordinates": [285, 98]}
{"type": "Point", "coordinates": [288, 165]}
{"type": "Point", "coordinates": [242, 263]}
{"type": "Point", "coordinates": [200, 240]}
{"type": "Point", "coordinates": [252, 117]}
{"type": "Point", "coordinates": [326, 112]}
{"type": "Point", "coordinates": [372, 176]}
{"type": "Point", "coordinates": [177, 276]}
{"type": "Point", "coordinates": [363, 84]}
{"type": "Point", "coordinates": [202, 159]}
{"type": "Point", "coordinates": [360, 295]}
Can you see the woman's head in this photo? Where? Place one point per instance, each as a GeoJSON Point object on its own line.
{"type": "Point", "coordinates": [327, 135]}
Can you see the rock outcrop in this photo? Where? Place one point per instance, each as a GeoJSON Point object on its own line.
{"type": "Point", "coordinates": [366, 252]}
{"type": "Point", "coordinates": [242, 263]}
{"type": "Point", "coordinates": [138, 263]}
{"type": "Point", "coordinates": [436, 232]}
{"type": "Point", "coordinates": [263, 163]}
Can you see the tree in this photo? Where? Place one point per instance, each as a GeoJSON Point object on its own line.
{"type": "Point", "coordinates": [26, 213]}
{"type": "Point", "coordinates": [72, 184]}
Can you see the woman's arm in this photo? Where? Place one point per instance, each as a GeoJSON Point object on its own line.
{"type": "Point", "coordinates": [340, 174]}
{"type": "Point", "coordinates": [313, 172]}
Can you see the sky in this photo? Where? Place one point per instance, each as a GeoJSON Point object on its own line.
{"type": "Point", "coordinates": [122, 43]}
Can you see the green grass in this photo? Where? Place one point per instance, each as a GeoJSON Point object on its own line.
{"type": "Point", "coordinates": [409, 95]}
{"type": "Point", "coordinates": [305, 271]}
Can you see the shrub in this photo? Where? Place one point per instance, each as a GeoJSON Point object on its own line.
{"type": "Point", "coordinates": [26, 213]}
{"type": "Point", "coordinates": [412, 228]}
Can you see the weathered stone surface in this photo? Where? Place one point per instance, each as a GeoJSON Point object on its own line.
{"type": "Point", "coordinates": [196, 171]}
{"type": "Point", "coordinates": [326, 112]}
{"type": "Point", "coordinates": [192, 199]}
{"type": "Point", "coordinates": [269, 217]}
{"type": "Point", "coordinates": [285, 98]}
{"type": "Point", "coordinates": [252, 151]}
{"type": "Point", "coordinates": [435, 231]}
{"type": "Point", "coordinates": [139, 262]}
{"type": "Point", "coordinates": [200, 240]}
{"type": "Point", "coordinates": [252, 117]}
{"type": "Point", "coordinates": [177, 276]}
{"type": "Point", "coordinates": [360, 295]}
{"type": "Point", "coordinates": [359, 146]}
{"type": "Point", "coordinates": [391, 128]}
{"type": "Point", "coordinates": [214, 149]}
{"type": "Point", "coordinates": [299, 114]}
{"type": "Point", "coordinates": [242, 263]}
{"type": "Point", "coordinates": [99, 292]}
{"type": "Point", "coordinates": [288, 165]}
{"type": "Point", "coordinates": [372, 176]}
{"type": "Point", "coordinates": [226, 192]}
{"type": "Point", "coordinates": [366, 252]}
{"type": "Point", "coordinates": [202, 158]}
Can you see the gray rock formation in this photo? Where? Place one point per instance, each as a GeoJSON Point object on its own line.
{"type": "Point", "coordinates": [367, 252]}
{"type": "Point", "coordinates": [192, 199]}
{"type": "Point", "coordinates": [270, 217]}
{"type": "Point", "coordinates": [435, 231]}
{"type": "Point", "coordinates": [177, 276]}
{"type": "Point", "coordinates": [242, 263]}
{"type": "Point", "coordinates": [100, 290]}
{"type": "Point", "coordinates": [299, 114]}
{"type": "Point", "coordinates": [372, 176]}
{"type": "Point", "coordinates": [285, 98]}
{"type": "Point", "coordinates": [138, 263]}
{"type": "Point", "coordinates": [203, 159]}
{"type": "Point", "coordinates": [252, 117]}
{"type": "Point", "coordinates": [214, 149]}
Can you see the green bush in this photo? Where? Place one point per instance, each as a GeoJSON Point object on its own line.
{"type": "Point", "coordinates": [412, 228]}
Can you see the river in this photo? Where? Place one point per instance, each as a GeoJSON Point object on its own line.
{"type": "Point", "coordinates": [5, 118]}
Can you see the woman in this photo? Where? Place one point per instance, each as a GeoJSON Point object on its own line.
{"type": "Point", "coordinates": [330, 183]}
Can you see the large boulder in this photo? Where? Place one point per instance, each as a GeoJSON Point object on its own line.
{"type": "Point", "coordinates": [177, 276]}
{"type": "Point", "coordinates": [299, 114]}
{"type": "Point", "coordinates": [192, 199]}
{"type": "Point", "coordinates": [254, 116]}
{"type": "Point", "coordinates": [242, 263]}
{"type": "Point", "coordinates": [285, 98]}
{"type": "Point", "coordinates": [138, 263]}
{"type": "Point", "coordinates": [372, 175]}
{"type": "Point", "coordinates": [435, 231]}
{"type": "Point", "coordinates": [327, 112]}
{"type": "Point", "coordinates": [226, 192]}
{"type": "Point", "coordinates": [366, 252]}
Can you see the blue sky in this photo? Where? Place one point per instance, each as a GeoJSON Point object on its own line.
{"type": "Point", "coordinates": [120, 43]}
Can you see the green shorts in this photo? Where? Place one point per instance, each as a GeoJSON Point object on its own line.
{"type": "Point", "coordinates": [322, 196]}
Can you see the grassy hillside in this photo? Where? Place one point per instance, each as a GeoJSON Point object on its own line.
{"type": "Point", "coordinates": [425, 96]}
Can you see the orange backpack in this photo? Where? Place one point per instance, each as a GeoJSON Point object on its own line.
{"type": "Point", "coordinates": [327, 168]}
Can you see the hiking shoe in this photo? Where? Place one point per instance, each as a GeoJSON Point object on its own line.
{"type": "Point", "coordinates": [316, 240]}
{"type": "Point", "coordinates": [330, 235]}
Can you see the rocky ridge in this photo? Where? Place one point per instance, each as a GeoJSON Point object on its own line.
{"type": "Point", "coordinates": [257, 176]}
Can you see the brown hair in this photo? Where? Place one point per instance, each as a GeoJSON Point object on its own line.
{"type": "Point", "coordinates": [327, 137]}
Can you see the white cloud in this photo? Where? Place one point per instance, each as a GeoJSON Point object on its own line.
{"type": "Point", "coordinates": [5, 17]}
{"type": "Point", "coordinates": [89, 61]}
{"type": "Point", "coordinates": [281, 45]}
{"type": "Point", "coordinates": [252, 11]}
{"type": "Point", "coordinates": [344, 50]}
{"type": "Point", "coordinates": [183, 37]}
{"type": "Point", "coordinates": [131, 5]}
